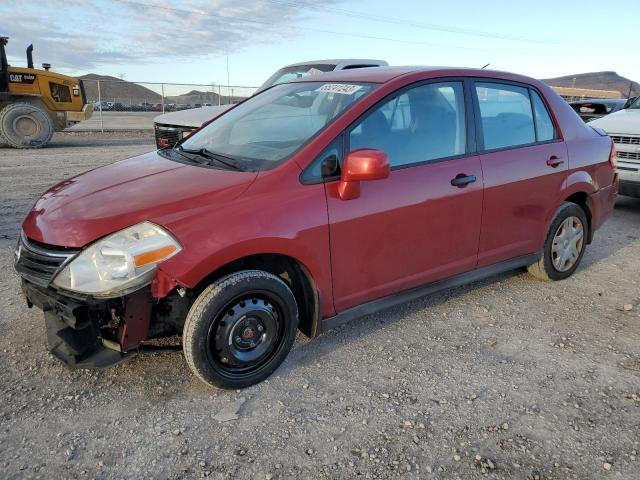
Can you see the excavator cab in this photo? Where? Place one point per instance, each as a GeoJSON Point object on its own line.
{"type": "Point", "coordinates": [34, 103]}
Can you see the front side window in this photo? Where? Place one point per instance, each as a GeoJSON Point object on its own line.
{"type": "Point", "coordinates": [505, 115]}
{"type": "Point", "coordinates": [271, 126]}
{"type": "Point", "coordinates": [424, 123]}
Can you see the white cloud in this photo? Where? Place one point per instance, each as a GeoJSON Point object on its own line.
{"type": "Point", "coordinates": [81, 35]}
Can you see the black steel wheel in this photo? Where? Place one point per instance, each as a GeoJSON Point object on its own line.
{"type": "Point", "coordinates": [240, 329]}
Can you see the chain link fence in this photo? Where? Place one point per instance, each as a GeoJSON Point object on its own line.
{"type": "Point", "coordinates": [123, 105]}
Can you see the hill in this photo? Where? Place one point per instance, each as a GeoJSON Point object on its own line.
{"type": "Point", "coordinates": [115, 90]}
{"type": "Point", "coordinates": [198, 97]}
{"type": "Point", "coordinates": [597, 80]}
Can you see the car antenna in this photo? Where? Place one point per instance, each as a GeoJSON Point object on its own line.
{"type": "Point", "coordinates": [485, 66]}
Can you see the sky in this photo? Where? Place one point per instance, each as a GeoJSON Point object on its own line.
{"type": "Point", "coordinates": [190, 41]}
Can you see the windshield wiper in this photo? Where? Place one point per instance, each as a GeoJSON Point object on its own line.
{"type": "Point", "coordinates": [224, 160]}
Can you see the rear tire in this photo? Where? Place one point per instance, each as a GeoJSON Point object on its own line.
{"type": "Point", "coordinates": [23, 125]}
{"type": "Point", "coordinates": [240, 329]}
{"type": "Point", "coordinates": [564, 245]}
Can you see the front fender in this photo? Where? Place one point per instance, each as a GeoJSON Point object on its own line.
{"type": "Point", "coordinates": [312, 254]}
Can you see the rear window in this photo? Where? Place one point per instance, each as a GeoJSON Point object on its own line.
{"type": "Point", "coordinates": [595, 108]}
{"type": "Point", "coordinates": [289, 74]}
{"type": "Point", "coordinates": [506, 115]}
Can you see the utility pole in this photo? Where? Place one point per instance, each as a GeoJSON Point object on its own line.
{"type": "Point", "coordinates": [100, 105]}
{"type": "Point", "coordinates": [228, 76]}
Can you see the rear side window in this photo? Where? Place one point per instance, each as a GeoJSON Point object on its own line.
{"type": "Point", "coordinates": [545, 128]}
{"type": "Point", "coordinates": [506, 115]}
{"type": "Point", "coordinates": [424, 123]}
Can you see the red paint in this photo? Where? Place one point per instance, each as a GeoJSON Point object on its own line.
{"type": "Point", "coordinates": [520, 195]}
{"type": "Point", "coordinates": [136, 317]}
{"type": "Point", "coordinates": [408, 229]}
{"type": "Point", "coordinates": [362, 165]}
{"type": "Point", "coordinates": [162, 284]}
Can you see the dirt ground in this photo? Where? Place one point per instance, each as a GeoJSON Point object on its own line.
{"type": "Point", "coordinates": [507, 378]}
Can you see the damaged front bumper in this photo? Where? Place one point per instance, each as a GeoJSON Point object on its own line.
{"type": "Point", "coordinates": [86, 332]}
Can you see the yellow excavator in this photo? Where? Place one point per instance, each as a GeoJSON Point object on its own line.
{"type": "Point", "coordinates": [35, 103]}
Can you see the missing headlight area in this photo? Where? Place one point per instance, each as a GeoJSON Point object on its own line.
{"type": "Point", "coordinates": [85, 332]}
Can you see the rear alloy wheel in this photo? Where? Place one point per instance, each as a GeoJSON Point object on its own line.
{"type": "Point", "coordinates": [23, 125]}
{"type": "Point", "coordinates": [564, 245]}
{"type": "Point", "coordinates": [240, 329]}
{"type": "Point", "coordinates": [567, 244]}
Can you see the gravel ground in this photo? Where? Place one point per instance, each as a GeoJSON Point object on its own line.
{"type": "Point", "coordinates": [507, 378]}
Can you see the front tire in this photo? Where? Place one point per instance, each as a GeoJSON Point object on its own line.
{"type": "Point", "coordinates": [23, 125]}
{"type": "Point", "coordinates": [240, 329]}
{"type": "Point", "coordinates": [564, 245]}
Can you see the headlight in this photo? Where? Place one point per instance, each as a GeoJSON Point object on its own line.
{"type": "Point", "coordinates": [122, 261]}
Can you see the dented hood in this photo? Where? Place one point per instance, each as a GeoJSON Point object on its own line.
{"type": "Point", "coordinates": [149, 187]}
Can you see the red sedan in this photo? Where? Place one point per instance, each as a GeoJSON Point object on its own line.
{"type": "Point", "coordinates": [310, 204]}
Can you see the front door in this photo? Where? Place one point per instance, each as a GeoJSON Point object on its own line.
{"type": "Point", "coordinates": [414, 227]}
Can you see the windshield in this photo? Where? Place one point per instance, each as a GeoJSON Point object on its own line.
{"type": "Point", "coordinates": [270, 127]}
{"type": "Point", "coordinates": [288, 74]}
{"type": "Point", "coordinates": [635, 104]}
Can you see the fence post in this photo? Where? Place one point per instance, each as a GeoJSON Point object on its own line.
{"type": "Point", "coordinates": [162, 86]}
{"type": "Point", "coordinates": [100, 108]}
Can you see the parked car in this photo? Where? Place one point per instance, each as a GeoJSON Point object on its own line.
{"type": "Point", "coordinates": [308, 205]}
{"type": "Point", "coordinates": [172, 127]}
{"type": "Point", "coordinates": [593, 108]}
{"type": "Point", "coordinates": [103, 105]}
{"type": "Point", "coordinates": [624, 128]}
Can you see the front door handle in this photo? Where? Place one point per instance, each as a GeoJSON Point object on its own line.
{"type": "Point", "coordinates": [462, 180]}
{"type": "Point", "coordinates": [554, 161]}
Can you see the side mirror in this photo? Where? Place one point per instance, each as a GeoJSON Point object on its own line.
{"type": "Point", "coordinates": [361, 165]}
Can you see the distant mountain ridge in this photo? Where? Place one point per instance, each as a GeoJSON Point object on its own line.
{"type": "Point", "coordinates": [114, 89]}
{"type": "Point", "coordinates": [598, 80]}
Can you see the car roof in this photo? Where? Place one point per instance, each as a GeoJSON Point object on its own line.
{"type": "Point", "coordinates": [386, 74]}
{"type": "Point", "coordinates": [338, 61]}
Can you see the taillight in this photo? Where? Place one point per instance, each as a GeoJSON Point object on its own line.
{"type": "Point", "coordinates": [613, 157]}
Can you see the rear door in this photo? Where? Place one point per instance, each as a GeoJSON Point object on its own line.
{"type": "Point", "coordinates": [414, 227]}
{"type": "Point", "coordinates": [524, 163]}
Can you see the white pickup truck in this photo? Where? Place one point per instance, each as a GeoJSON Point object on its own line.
{"type": "Point", "coordinates": [623, 127]}
{"type": "Point", "coordinates": [172, 127]}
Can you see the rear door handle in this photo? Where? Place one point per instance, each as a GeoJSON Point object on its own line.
{"type": "Point", "coordinates": [554, 161]}
{"type": "Point", "coordinates": [463, 180]}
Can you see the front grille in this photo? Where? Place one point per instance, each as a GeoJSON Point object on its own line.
{"type": "Point", "coordinates": [625, 139]}
{"type": "Point", "coordinates": [629, 155]}
{"type": "Point", "coordinates": [39, 263]}
{"type": "Point", "coordinates": [168, 136]}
